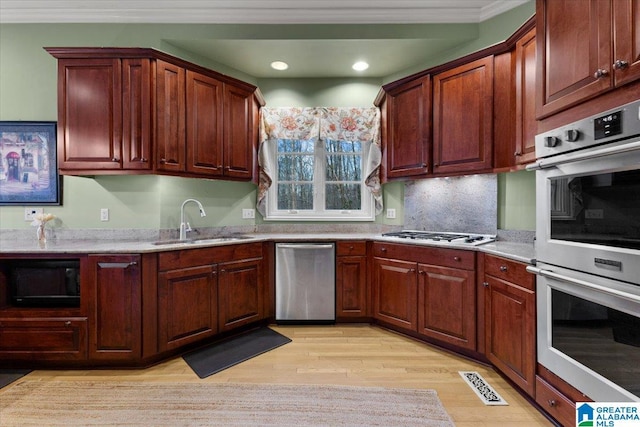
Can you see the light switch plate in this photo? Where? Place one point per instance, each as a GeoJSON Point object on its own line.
{"type": "Point", "coordinates": [391, 213]}
{"type": "Point", "coordinates": [248, 213]}
{"type": "Point", "coordinates": [104, 214]}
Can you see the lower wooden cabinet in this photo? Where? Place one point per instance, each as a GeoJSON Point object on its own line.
{"type": "Point", "coordinates": [427, 290]}
{"type": "Point", "coordinates": [555, 403]}
{"type": "Point", "coordinates": [510, 321]}
{"type": "Point", "coordinates": [116, 307]}
{"type": "Point", "coordinates": [395, 285]}
{"type": "Point", "coordinates": [38, 339]}
{"type": "Point", "coordinates": [240, 293]}
{"type": "Point", "coordinates": [187, 306]}
{"type": "Point", "coordinates": [446, 305]}
{"type": "Point", "coordinates": [351, 281]}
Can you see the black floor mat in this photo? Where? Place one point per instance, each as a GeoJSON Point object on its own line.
{"type": "Point", "coordinates": [219, 356]}
{"type": "Point", "coordinates": [7, 376]}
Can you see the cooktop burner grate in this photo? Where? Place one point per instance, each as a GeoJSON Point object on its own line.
{"type": "Point", "coordinates": [463, 238]}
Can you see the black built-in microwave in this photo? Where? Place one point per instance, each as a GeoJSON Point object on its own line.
{"type": "Point", "coordinates": [45, 282]}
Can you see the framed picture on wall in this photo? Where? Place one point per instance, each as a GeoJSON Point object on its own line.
{"type": "Point", "coordinates": [28, 164]}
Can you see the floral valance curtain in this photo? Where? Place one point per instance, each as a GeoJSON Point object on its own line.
{"type": "Point", "coordinates": [335, 123]}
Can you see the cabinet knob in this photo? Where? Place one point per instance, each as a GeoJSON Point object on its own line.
{"type": "Point", "coordinates": [422, 272]}
{"type": "Point", "coordinates": [456, 258]}
{"type": "Point", "coordinates": [485, 284]}
{"type": "Point", "coordinates": [620, 64]}
{"type": "Point", "coordinates": [67, 323]}
{"type": "Point", "coordinates": [600, 73]}
{"type": "Point", "coordinates": [435, 165]}
{"type": "Point", "coordinates": [115, 159]}
{"type": "Point", "coordinates": [144, 160]}
{"type": "Point", "coordinates": [551, 402]}
{"type": "Point", "coordinates": [163, 161]}
{"type": "Point", "coordinates": [383, 249]}
{"type": "Point", "coordinates": [350, 248]}
{"type": "Point", "coordinates": [412, 270]}
{"type": "Point", "coordinates": [503, 268]}
{"type": "Point", "coordinates": [424, 165]}
{"type": "Point", "coordinates": [517, 154]}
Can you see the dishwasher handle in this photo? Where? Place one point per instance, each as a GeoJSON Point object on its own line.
{"type": "Point", "coordinates": [303, 246]}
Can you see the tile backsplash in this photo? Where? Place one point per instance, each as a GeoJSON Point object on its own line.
{"type": "Point", "coordinates": [458, 204]}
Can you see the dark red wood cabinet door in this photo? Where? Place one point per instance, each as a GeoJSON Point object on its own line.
{"type": "Point", "coordinates": [463, 118]}
{"type": "Point", "coordinates": [409, 129]}
{"type": "Point", "coordinates": [89, 114]}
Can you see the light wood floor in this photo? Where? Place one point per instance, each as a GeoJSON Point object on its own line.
{"type": "Point", "coordinates": [357, 355]}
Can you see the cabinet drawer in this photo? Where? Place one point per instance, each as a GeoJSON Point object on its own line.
{"type": "Point", "coordinates": [509, 270]}
{"type": "Point", "coordinates": [186, 258]}
{"type": "Point", "coordinates": [43, 339]}
{"type": "Point", "coordinates": [555, 403]}
{"type": "Point", "coordinates": [432, 255]}
{"type": "Point", "coordinates": [351, 248]}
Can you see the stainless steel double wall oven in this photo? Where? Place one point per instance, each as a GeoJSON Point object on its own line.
{"type": "Point", "coordinates": [588, 253]}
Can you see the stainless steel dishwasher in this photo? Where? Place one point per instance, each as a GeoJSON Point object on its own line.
{"type": "Point", "coordinates": [305, 283]}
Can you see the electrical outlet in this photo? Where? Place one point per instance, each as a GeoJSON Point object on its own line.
{"type": "Point", "coordinates": [594, 213]}
{"type": "Point", "coordinates": [248, 213]}
{"type": "Point", "coordinates": [391, 213]}
{"type": "Point", "coordinates": [30, 213]}
{"type": "Point", "coordinates": [104, 214]}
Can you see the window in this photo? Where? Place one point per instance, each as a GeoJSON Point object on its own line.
{"type": "Point", "coordinates": [319, 180]}
{"type": "Point", "coordinates": [319, 164]}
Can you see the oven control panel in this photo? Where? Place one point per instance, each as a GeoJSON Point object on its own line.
{"type": "Point", "coordinates": [621, 123]}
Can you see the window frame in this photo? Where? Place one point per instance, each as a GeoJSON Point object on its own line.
{"type": "Point", "coordinates": [366, 213]}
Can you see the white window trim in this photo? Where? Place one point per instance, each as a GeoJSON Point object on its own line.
{"type": "Point", "coordinates": [367, 213]}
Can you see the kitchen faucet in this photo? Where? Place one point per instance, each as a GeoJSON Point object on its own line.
{"type": "Point", "coordinates": [184, 226]}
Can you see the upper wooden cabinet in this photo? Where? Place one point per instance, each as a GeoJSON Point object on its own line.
{"type": "Point", "coordinates": [408, 116]}
{"type": "Point", "coordinates": [514, 105]}
{"type": "Point", "coordinates": [133, 110]}
{"type": "Point", "coordinates": [104, 114]}
{"type": "Point", "coordinates": [585, 49]}
{"type": "Point", "coordinates": [462, 118]}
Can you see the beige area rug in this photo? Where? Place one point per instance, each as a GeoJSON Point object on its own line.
{"type": "Point", "coordinates": [92, 403]}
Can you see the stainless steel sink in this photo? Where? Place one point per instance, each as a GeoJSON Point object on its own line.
{"type": "Point", "coordinates": [203, 240]}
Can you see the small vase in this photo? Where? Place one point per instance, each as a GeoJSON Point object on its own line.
{"type": "Point", "coordinates": [42, 237]}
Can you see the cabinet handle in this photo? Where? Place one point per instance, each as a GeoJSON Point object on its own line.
{"type": "Point", "coordinates": [424, 165]}
{"type": "Point", "coordinates": [485, 284]}
{"type": "Point", "coordinates": [435, 165]}
{"type": "Point", "coordinates": [503, 268]}
{"type": "Point", "coordinates": [422, 272]}
{"type": "Point", "coordinates": [117, 264]}
{"type": "Point", "coordinates": [620, 64]}
{"type": "Point", "coordinates": [163, 161]}
{"type": "Point", "coordinates": [383, 249]}
{"type": "Point", "coordinates": [350, 248]}
{"type": "Point", "coordinates": [67, 323]}
{"type": "Point", "coordinates": [456, 258]}
{"type": "Point", "coordinates": [600, 73]}
{"type": "Point", "coordinates": [551, 402]}
{"type": "Point", "coordinates": [143, 160]}
{"type": "Point", "coordinates": [412, 270]}
{"type": "Point", "coordinates": [517, 154]}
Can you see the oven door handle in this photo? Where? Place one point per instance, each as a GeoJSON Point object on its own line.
{"type": "Point", "coordinates": [595, 154]}
{"type": "Point", "coordinates": [582, 283]}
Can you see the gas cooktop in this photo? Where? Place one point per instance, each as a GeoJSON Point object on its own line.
{"type": "Point", "coordinates": [465, 239]}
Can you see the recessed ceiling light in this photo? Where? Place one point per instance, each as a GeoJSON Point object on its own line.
{"type": "Point", "coordinates": [360, 66]}
{"type": "Point", "coordinates": [279, 65]}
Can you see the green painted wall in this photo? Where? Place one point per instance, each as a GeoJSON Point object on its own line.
{"type": "Point", "coordinates": [517, 202]}
{"type": "Point", "coordinates": [28, 76]}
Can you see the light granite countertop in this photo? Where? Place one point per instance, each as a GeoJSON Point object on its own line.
{"type": "Point", "coordinates": [523, 252]}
